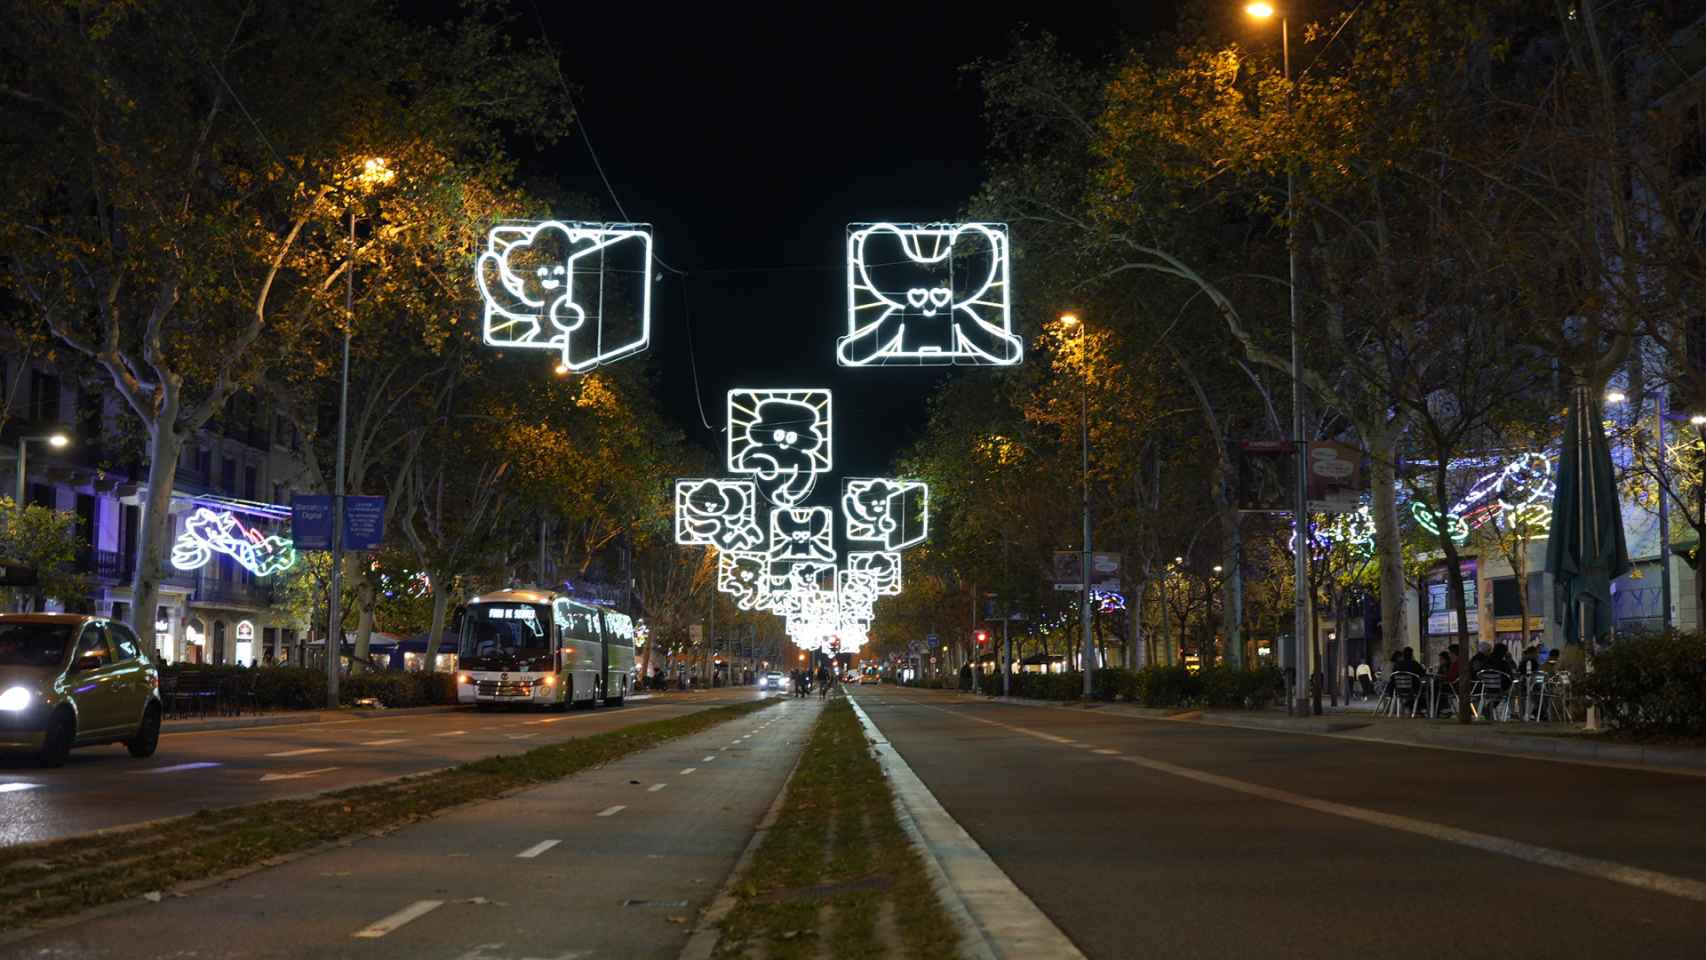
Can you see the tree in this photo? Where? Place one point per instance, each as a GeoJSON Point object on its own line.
{"type": "Point", "coordinates": [176, 167]}
{"type": "Point", "coordinates": [47, 541]}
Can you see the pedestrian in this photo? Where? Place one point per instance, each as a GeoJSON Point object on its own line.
{"type": "Point", "coordinates": [1365, 678]}
{"type": "Point", "coordinates": [822, 683]}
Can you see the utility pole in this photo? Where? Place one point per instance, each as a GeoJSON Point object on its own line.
{"type": "Point", "coordinates": [334, 603]}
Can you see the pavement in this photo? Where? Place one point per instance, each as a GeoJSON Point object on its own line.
{"type": "Point", "coordinates": [1140, 836]}
{"type": "Point", "coordinates": [612, 862]}
{"type": "Point", "coordinates": [103, 787]}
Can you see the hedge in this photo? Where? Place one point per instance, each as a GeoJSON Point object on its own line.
{"type": "Point", "coordinates": [1176, 686]}
{"type": "Point", "coordinates": [296, 688]}
{"type": "Point", "coordinates": [1651, 684]}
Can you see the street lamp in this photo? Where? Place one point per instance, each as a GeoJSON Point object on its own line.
{"type": "Point", "coordinates": [56, 439]}
{"type": "Point", "coordinates": [1300, 510]}
{"type": "Point", "coordinates": [375, 172]}
{"type": "Point", "coordinates": [1070, 321]}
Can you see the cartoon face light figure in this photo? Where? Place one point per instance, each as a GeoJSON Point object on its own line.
{"type": "Point", "coordinates": [928, 294]}
{"type": "Point", "coordinates": [717, 513]}
{"type": "Point", "coordinates": [741, 575]}
{"type": "Point", "coordinates": [546, 286]}
{"type": "Point", "coordinates": [895, 513]}
{"type": "Point", "coordinates": [781, 438]}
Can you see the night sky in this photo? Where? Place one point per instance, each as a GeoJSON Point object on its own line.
{"type": "Point", "coordinates": [750, 140]}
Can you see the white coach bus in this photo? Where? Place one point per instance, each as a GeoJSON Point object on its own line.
{"type": "Point", "coordinates": [540, 648]}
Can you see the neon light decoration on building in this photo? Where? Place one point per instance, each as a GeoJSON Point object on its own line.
{"type": "Point", "coordinates": [1518, 498]}
{"type": "Point", "coordinates": [556, 286]}
{"type": "Point", "coordinates": [928, 294]}
{"type": "Point", "coordinates": [781, 438]}
{"type": "Point", "coordinates": [717, 513]}
{"type": "Point", "coordinates": [207, 532]}
{"type": "Point", "coordinates": [894, 513]}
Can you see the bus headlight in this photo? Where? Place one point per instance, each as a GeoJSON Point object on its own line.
{"type": "Point", "coordinates": [464, 679]}
{"type": "Point", "coordinates": [550, 680]}
{"type": "Point", "coordinates": [15, 699]}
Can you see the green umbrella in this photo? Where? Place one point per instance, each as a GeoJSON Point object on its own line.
{"type": "Point", "coordinates": [1585, 549]}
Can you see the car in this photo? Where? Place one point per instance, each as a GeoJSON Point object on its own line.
{"type": "Point", "coordinates": [772, 681]}
{"type": "Point", "coordinates": [870, 676]}
{"type": "Point", "coordinates": [73, 680]}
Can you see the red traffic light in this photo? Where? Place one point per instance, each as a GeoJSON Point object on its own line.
{"type": "Point", "coordinates": [982, 637]}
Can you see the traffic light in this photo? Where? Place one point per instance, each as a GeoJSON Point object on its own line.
{"type": "Point", "coordinates": [982, 637]}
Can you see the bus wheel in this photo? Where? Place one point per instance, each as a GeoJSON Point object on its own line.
{"type": "Point", "coordinates": [617, 700]}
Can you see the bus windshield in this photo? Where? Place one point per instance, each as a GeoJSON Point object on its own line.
{"type": "Point", "coordinates": [505, 635]}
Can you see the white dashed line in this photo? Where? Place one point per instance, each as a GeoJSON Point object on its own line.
{"type": "Point", "coordinates": [537, 849]}
{"type": "Point", "coordinates": [301, 753]}
{"type": "Point", "coordinates": [385, 743]}
{"type": "Point", "coordinates": [708, 759]}
{"type": "Point", "coordinates": [1104, 751]}
{"type": "Point", "coordinates": [413, 911]}
{"type": "Point", "coordinates": [451, 733]}
{"type": "Point", "coordinates": [687, 770]}
{"type": "Point", "coordinates": [613, 811]}
{"type": "Point", "coordinates": [654, 788]}
{"type": "Point", "coordinates": [520, 736]}
{"type": "Point", "coordinates": [179, 768]}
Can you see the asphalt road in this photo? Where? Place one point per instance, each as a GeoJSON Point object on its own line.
{"type": "Point", "coordinates": [1171, 839]}
{"type": "Point", "coordinates": [104, 787]}
{"type": "Point", "coordinates": [612, 862]}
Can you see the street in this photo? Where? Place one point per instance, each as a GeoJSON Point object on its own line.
{"type": "Point", "coordinates": [614, 862]}
{"type": "Point", "coordinates": [218, 768]}
{"type": "Point", "coordinates": [1166, 838]}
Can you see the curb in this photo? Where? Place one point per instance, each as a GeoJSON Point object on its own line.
{"type": "Point", "coordinates": [994, 917]}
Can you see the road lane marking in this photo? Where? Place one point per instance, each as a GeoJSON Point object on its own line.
{"type": "Point", "coordinates": [451, 733]}
{"type": "Point", "coordinates": [179, 768]}
{"type": "Point", "coordinates": [708, 759]}
{"type": "Point", "coordinates": [537, 849]}
{"type": "Point", "coordinates": [612, 811]}
{"type": "Point", "coordinates": [1104, 751]}
{"type": "Point", "coordinates": [687, 770]}
{"type": "Point", "coordinates": [268, 778]}
{"type": "Point", "coordinates": [305, 751]}
{"type": "Point", "coordinates": [654, 788]}
{"type": "Point", "coordinates": [385, 743]}
{"type": "Point", "coordinates": [1640, 878]}
{"type": "Point", "coordinates": [16, 786]}
{"type": "Point", "coordinates": [413, 911]}
{"type": "Point", "coordinates": [520, 736]}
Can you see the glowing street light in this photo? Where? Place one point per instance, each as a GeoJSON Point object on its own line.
{"type": "Point", "coordinates": [56, 439]}
{"type": "Point", "coordinates": [1698, 420]}
{"type": "Point", "coordinates": [1261, 11]}
{"type": "Point", "coordinates": [1615, 396]}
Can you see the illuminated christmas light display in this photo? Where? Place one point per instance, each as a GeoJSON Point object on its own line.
{"type": "Point", "coordinates": [803, 533]}
{"type": "Point", "coordinates": [928, 294]}
{"type": "Point", "coordinates": [781, 438]}
{"type": "Point", "coordinates": [744, 577]}
{"type": "Point", "coordinates": [545, 288]}
{"type": "Point", "coordinates": [208, 532]}
{"type": "Point", "coordinates": [882, 565]}
{"type": "Point", "coordinates": [717, 513]}
{"type": "Point", "coordinates": [1518, 497]}
{"type": "Point", "coordinates": [895, 513]}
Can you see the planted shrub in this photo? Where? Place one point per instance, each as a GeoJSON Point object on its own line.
{"type": "Point", "coordinates": [1651, 684]}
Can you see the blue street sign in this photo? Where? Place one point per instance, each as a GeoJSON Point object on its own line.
{"type": "Point", "coordinates": [364, 522]}
{"type": "Point", "coordinates": [311, 522]}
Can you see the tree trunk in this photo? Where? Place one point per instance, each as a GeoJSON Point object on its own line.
{"type": "Point", "coordinates": [440, 606]}
{"type": "Point", "coordinates": [1383, 479]}
{"type": "Point", "coordinates": [364, 598]}
{"type": "Point", "coordinates": [154, 531]}
{"type": "Point", "coordinates": [1454, 594]}
{"type": "Point", "coordinates": [1134, 620]}
{"type": "Point", "coordinates": [1232, 614]}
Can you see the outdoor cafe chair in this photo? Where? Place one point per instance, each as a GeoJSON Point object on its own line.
{"type": "Point", "coordinates": [1406, 691]}
{"type": "Point", "coordinates": [1493, 695]}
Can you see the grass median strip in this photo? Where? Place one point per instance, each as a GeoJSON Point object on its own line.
{"type": "Point", "coordinates": [836, 876]}
{"type": "Point", "coordinates": [43, 881]}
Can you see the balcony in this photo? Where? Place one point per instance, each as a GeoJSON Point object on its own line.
{"type": "Point", "coordinates": [112, 565]}
{"type": "Point", "coordinates": [235, 593]}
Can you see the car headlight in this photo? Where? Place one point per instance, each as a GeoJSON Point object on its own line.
{"type": "Point", "coordinates": [14, 699]}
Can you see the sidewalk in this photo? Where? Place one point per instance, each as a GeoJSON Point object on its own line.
{"type": "Point", "coordinates": [1552, 741]}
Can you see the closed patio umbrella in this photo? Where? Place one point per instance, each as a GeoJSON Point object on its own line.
{"type": "Point", "coordinates": [1585, 551]}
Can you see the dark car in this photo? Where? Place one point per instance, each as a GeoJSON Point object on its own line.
{"type": "Point", "coordinates": [71, 680]}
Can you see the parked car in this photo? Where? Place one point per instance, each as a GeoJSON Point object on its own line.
{"type": "Point", "coordinates": [773, 681]}
{"type": "Point", "coordinates": [870, 676]}
{"type": "Point", "coordinates": [72, 680]}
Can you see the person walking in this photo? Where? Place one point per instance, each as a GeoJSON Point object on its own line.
{"type": "Point", "coordinates": [823, 683]}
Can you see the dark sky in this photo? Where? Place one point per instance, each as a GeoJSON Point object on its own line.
{"type": "Point", "coordinates": [750, 140]}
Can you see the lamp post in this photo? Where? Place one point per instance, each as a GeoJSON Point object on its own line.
{"type": "Point", "coordinates": [374, 172]}
{"type": "Point", "coordinates": [1088, 656]}
{"type": "Point", "coordinates": [56, 439]}
{"type": "Point", "coordinates": [1300, 511]}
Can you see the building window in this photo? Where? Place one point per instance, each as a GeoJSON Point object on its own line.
{"type": "Point", "coordinates": [278, 494]}
{"type": "Point", "coordinates": [249, 483]}
{"type": "Point", "coordinates": [44, 397]}
{"type": "Point", "coordinates": [228, 475]}
{"type": "Point", "coordinates": [204, 462]}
